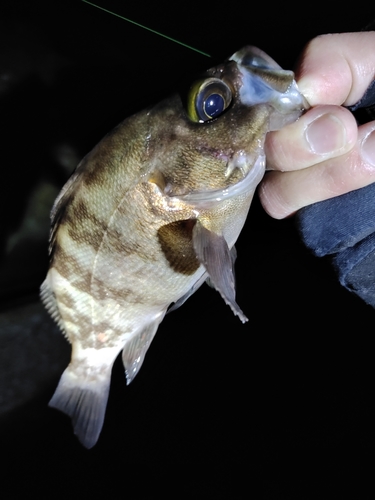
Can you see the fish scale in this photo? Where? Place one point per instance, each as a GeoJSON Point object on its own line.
{"type": "Point", "coordinates": [150, 214]}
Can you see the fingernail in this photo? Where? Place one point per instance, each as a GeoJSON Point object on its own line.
{"type": "Point", "coordinates": [326, 134]}
{"type": "Point", "coordinates": [368, 148]}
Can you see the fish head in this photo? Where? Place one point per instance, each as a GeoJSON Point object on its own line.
{"type": "Point", "coordinates": [213, 133]}
{"type": "Point", "coordinates": [207, 143]}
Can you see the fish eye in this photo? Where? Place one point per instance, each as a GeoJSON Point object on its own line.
{"type": "Point", "coordinates": [208, 99]}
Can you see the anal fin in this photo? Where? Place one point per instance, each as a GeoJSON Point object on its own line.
{"type": "Point", "coordinates": [134, 351]}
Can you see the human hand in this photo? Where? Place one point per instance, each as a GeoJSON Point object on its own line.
{"type": "Point", "coordinates": [324, 154]}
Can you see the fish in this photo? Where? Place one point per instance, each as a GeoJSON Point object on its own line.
{"type": "Point", "coordinates": [150, 214]}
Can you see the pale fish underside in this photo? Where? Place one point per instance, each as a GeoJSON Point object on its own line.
{"type": "Point", "coordinates": [150, 214]}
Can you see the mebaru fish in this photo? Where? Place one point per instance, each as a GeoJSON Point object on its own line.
{"type": "Point", "coordinates": [151, 213]}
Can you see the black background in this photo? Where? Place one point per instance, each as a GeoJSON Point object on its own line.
{"type": "Point", "coordinates": [279, 408]}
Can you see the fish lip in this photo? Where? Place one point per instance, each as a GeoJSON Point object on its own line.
{"type": "Point", "coordinates": [256, 70]}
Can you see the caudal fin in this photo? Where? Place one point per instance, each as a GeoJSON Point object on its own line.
{"type": "Point", "coordinates": [85, 402]}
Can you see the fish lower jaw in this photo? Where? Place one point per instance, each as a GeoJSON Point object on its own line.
{"type": "Point", "coordinates": [246, 186]}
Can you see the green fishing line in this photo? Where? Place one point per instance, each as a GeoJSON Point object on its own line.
{"type": "Point", "coordinates": [146, 28]}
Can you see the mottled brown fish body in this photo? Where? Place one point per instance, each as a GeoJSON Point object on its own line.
{"type": "Point", "coordinates": [149, 214]}
{"type": "Point", "coordinates": [116, 252]}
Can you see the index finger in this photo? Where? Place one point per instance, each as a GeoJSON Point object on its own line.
{"type": "Point", "coordinates": [337, 68]}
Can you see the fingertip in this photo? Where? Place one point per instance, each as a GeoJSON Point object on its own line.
{"type": "Point", "coordinates": [273, 204]}
{"type": "Point", "coordinates": [336, 68]}
{"type": "Point", "coordinates": [368, 147]}
{"type": "Point", "coordinates": [325, 134]}
{"type": "Point", "coordinates": [321, 133]}
{"type": "Point", "coordinates": [330, 131]}
{"type": "Point", "coordinates": [323, 74]}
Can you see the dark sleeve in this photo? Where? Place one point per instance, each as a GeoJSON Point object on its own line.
{"type": "Point", "coordinates": [344, 227]}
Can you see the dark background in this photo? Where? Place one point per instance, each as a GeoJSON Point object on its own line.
{"type": "Point", "coordinates": [279, 408]}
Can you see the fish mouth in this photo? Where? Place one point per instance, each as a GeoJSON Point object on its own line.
{"type": "Point", "coordinates": [245, 186]}
{"type": "Point", "coordinates": [263, 81]}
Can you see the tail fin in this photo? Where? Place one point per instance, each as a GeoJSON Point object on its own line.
{"type": "Point", "coordinates": [85, 402]}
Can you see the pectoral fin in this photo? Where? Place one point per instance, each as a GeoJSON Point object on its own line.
{"type": "Point", "coordinates": [213, 252]}
{"type": "Point", "coordinates": [134, 351]}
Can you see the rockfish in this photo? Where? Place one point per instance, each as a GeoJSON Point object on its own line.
{"type": "Point", "coordinates": [152, 212]}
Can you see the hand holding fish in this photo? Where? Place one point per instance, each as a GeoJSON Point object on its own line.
{"type": "Point", "coordinates": [324, 154]}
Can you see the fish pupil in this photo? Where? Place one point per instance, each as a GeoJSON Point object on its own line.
{"type": "Point", "coordinates": [214, 105]}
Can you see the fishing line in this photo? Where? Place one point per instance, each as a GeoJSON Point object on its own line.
{"type": "Point", "coordinates": [146, 28]}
